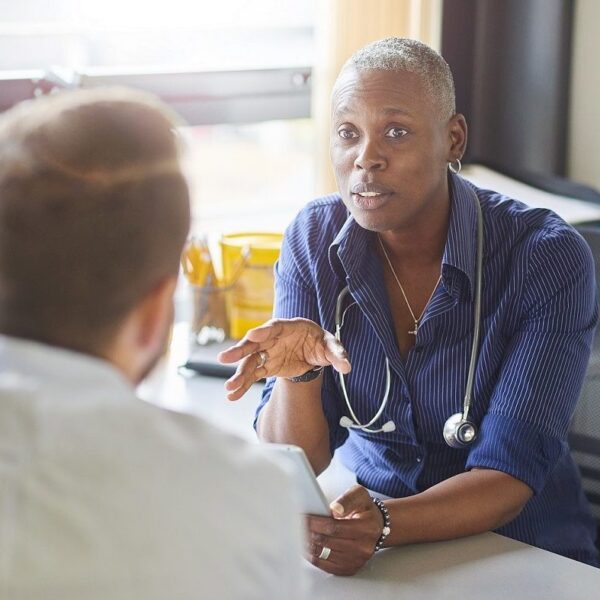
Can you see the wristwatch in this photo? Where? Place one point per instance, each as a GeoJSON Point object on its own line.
{"type": "Point", "coordinates": [308, 376]}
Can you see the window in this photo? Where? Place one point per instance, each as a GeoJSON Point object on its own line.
{"type": "Point", "coordinates": [238, 71]}
{"type": "Point", "coordinates": [200, 35]}
{"type": "Point", "coordinates": [250, 176]}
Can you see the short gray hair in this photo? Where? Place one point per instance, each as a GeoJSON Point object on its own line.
{"type": "Point", "coordinates": [404, 54]}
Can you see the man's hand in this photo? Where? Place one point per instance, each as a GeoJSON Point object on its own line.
{"type": "Point", "coordinates": [351, 534]}
{"type": "Point", "coordinates": [282, 348]}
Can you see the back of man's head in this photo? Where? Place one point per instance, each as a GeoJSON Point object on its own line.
{"type": "Point", "coordinates": [94, 211]}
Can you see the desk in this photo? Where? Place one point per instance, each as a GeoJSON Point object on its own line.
{"type": "Point", "coordinates": [571, 210]}
{"type": "Point", "coordinates": [487, 566]}
{"type": "Point", "coordinates": [484, 567]}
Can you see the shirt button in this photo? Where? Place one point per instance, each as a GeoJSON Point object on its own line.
{"type": "Point", "coordinates": [419, 459]}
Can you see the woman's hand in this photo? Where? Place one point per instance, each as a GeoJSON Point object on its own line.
{"type": "Point", "coordinates": [350, 535]}
{"type": "Point", "coordinates": [282, 348]}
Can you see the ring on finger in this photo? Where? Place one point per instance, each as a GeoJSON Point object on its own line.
{"type": "Point", "coordinates": [325, 552]}
{"type": "Point", "coordinates": [263, 358]}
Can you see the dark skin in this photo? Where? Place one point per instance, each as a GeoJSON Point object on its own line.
{"type": "Point", "coordinates": [387, 137]}
{"type": "Point", "coordinates": [390, 148]}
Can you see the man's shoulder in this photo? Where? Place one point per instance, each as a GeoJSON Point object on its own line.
{"type": "Point", "coordinates": [191, 440]}
{"type": "Point", "coordinates": [99, 424]}
{"type": "Point", "coordinates": [213, 445]}
{"type": "Point", "coordinates": [231, 485]}
{"type": "Point", "coordinates": [137, 476]}
{"type": "Point", "coordinates": [137, 447]}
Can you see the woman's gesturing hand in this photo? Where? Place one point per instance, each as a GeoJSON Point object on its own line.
{"type": "Point", "coordinates": [282, 348]}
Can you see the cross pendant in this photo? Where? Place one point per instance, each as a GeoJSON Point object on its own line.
{"type": "Point", "coordinates": [414, 332]}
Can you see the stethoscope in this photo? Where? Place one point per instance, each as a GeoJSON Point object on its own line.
{"type": "Point", "coordinates": [458, 430]}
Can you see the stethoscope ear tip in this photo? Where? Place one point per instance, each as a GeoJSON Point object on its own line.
{"type": "Point", "coordinates": [346, 422]}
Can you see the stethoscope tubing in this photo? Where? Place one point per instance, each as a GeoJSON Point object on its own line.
{"type": "Point", "coordinates": [477, 315]}
{"type": "Point", "coordinates": [468, 397]}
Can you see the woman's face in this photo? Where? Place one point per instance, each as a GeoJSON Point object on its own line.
{"type": "Point", "coordinates": [390, 148]}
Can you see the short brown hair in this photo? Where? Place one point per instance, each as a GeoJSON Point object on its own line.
{"type": "Point", "coordinates": [94, 211]}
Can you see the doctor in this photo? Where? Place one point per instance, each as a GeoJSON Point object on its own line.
{"type": "Point", "coordinates": [417, 287]}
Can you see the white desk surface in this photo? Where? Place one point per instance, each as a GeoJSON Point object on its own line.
{"type": "Point", "coordinates": [571, 210]}
{"type": "Point", "coordinates": [486, 567]}
{"type": "Point", "coordinates": [483, 567]}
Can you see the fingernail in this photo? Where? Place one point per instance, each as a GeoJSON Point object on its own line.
{"type": "Point", "coordinates": [337, 508]}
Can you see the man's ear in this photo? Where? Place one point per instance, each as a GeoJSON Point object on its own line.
{"type": "Point", "coordinates": [458, 132]}
{"type": "Point", "coordinates": [142, 336]}
{"type": "Point", "coordinates": [155, 314]}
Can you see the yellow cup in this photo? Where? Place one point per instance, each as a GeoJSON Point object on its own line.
{"type": "Point", "coordinates": [248, 260]}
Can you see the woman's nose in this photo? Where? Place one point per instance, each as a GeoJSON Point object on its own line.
{"type": "Point", "coordinates": [370, 157]}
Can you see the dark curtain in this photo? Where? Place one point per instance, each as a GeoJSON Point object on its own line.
{"type": "Point", "coordinates": [511, 63]}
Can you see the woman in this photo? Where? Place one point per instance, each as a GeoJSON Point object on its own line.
{"type": "Point", "coordinates": [396, 253]}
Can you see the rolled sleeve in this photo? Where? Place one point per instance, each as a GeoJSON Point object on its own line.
{"type": "Point", "coordinates": [517, 448]}
{"type": "Point", "coordinates": [524, 430]}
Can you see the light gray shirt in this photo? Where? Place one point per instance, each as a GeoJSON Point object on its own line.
{"type": "Point", "coordinates": [103, 496]}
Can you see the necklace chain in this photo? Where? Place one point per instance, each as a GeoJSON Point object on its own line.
{"type": "Point", "coordinates": [412, 314]}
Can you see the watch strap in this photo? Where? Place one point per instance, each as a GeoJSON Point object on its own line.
{"type": "Point", "coordinates": [308, 376]}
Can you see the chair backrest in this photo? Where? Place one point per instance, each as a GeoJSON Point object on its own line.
{"type": "Point", "coordinates": [584, 436]}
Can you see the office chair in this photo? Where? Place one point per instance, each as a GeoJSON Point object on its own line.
{"type": "Point", "coordinates": [584, 435]}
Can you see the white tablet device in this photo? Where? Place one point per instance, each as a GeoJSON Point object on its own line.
{"type": "Point", "coordinates": [313, 501]}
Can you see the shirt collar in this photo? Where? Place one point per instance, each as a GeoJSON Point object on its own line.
{"type": "Point", "coordinates": [461, 243]}
{"type": "Point", "coordinates": [54, 364]}
{"type": "Point", "coordinates": [349, 249]}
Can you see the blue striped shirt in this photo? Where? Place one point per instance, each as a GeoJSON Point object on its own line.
{"type": "Point", "coordinates": [538, 317]}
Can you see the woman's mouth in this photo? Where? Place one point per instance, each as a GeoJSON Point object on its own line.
{"type": "Point", "coordinates": [370, 200]}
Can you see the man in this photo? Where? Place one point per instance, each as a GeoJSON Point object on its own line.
{"type": "Point", "coordinates": [102, 495]}
{"type": "Point", "coordinates": [391, 264]}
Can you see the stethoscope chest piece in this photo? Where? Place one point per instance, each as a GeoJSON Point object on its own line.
{"type": "Point", "coordinates": [459, 432]}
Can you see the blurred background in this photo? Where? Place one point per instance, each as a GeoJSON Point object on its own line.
{"type": "Point", "coordinates": [252, 79]}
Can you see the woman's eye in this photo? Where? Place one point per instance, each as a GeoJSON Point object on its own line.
{"type": "Point", "coordinates": [396, 132]}
{"type": "Point", "coordinates": [347, 134]}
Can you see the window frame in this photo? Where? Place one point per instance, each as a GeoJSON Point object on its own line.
{"type": "Point", "coordinates": [200, 97]}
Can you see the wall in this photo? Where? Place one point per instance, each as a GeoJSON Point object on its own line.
{"type": "Point", "coordinates": [584, 118]}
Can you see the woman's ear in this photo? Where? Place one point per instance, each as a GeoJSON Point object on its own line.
{"type": "Point", "coordinates": [458, 132]}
